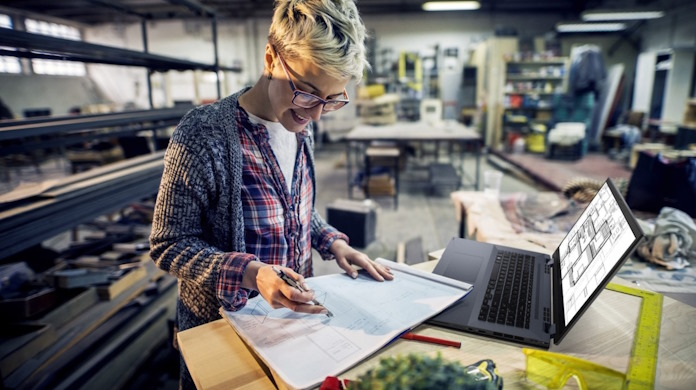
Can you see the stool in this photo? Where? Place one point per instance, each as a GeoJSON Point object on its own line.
{"type": "Point", "coordinates": [385, 157]}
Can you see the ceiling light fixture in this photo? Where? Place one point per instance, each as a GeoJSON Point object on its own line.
{"type": "Point", "coordinates": [603, 16]}
{"type": "Point", "coordinates": [451, 6]}
{"type": "Point", "coordinates": [589, 27]}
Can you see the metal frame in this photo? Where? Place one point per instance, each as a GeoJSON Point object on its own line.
{"type": "Point", "coordinates": [77, 199]}
{"type": "Point", "coordinates": [54, 125]}
{"type": "Point", "coordinates": [40, 46]}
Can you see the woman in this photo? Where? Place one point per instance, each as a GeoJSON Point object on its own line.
{"type": "Point", "coordinates": [237, 193]}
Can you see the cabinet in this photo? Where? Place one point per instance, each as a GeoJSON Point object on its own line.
{"type": "Point", "coordinates": [529, 92]}
{"type": "Point", "coordinates": [531, 85]}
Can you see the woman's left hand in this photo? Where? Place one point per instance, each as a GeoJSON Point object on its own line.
{"type": "Point", "coordinates": [346, 257]}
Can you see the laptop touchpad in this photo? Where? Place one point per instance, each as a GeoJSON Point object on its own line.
{"type": "Point", "coordinates": [466, 268]}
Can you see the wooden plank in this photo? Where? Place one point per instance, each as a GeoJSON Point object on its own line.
{"type": "Point", "coordinates": [73, 332]}
{"type": "Point", "coordinates": [20, 342]}
{"type": "Point", "coordinates": [117, 287]}
{"type": "Point", "coordinates": [237, 370]}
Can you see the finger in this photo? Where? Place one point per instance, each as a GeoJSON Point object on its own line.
{"type": "Point", "coordinates": [297, 277]}
{"type": "Point", "coordinates": [379, 271]}
{"type": "Point", "coordinates": [296, 295]}
{"type": "Point", "coordinates": [371, 268]}
{"type": "Point", "coordinates": [350, 271]}
{"type": "Point", "coordinates": [298, 307]}
{"type": "Point", "coordinates": [310, 309]}
{"type": "Point", "coordinates": [346, 266]}
{"type": "Point", "coordinates": [385, 272]}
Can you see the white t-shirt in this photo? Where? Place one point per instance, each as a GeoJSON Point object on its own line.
{"type": "Point", "coordinates": [284, 146]}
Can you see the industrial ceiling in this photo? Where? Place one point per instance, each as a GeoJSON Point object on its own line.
{"type": "Point", "coordinates": [91, 12]}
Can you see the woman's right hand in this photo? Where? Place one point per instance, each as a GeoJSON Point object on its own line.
{"type": "Point", "coordinates": [279, 294]}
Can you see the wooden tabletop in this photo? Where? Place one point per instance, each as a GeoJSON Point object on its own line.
{"type": "Point", "coordinates": [217, 358]}
{"type": "Point", "coordinates": [414, 131]}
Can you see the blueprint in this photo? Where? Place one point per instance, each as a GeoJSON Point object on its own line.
{"type": "Point", "coordinates": [591, 249]}
{"type": "Point", "coordinates": [303, 349]}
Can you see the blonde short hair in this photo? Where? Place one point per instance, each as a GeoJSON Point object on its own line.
{"type": "Point", "coordinates": [329, 33]}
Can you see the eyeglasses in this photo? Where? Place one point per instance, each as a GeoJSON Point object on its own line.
{"type": "Point", "coordinates": [307, 100]}
{"type": "Point", "coordinates": [553, 370]}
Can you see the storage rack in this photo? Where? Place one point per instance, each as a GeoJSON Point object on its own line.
{"type": "Point", "coordinates": [70, 130]}
{"type": "Point", "coordinates": [529, 94]}
{"type": "Point", "coordinates": [77, 199]}
{"type": "Point", "coordinates": [103, 342]}
{"type": "Point", "coordinates": [546, 77]}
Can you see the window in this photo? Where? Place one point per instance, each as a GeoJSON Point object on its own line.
{"type": "Point", "coordinates": [8, 64]}
{"type": "Point", "coordinates": [55, 67]}
{"type": "Point", "coordinates": [52, 29]}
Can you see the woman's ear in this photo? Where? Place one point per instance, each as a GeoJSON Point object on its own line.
{"type": "Point", "coordinates": [269, 60]}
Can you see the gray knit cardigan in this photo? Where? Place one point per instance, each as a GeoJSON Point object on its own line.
{"type": "Point", "coordinates": [198, 217]}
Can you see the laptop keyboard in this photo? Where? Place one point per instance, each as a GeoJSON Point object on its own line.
{"type": "Point", "coordinates": [508, 298]}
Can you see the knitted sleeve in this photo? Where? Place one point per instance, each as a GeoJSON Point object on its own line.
{"type": "Point", "coordinates": [178, 243]}
{"type": "Point", "coordinates": [323, 235]}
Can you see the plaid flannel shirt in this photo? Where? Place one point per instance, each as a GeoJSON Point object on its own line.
{"type": "Point", "coordinates": [278, 225]}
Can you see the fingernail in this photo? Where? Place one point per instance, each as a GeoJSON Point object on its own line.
{"type": "Point", "coordinates": [354, 275]}
{"type": "Point", "coordinates": [323, 311]}
{"type": "Point", "coordinates": [305, 286]}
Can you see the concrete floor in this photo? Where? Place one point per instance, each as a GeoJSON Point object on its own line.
{"type": "Point", "coordinates": [419, 214]}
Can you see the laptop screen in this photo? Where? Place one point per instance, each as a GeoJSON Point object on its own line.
{"type": "Point", "coordinates": [593, 249]}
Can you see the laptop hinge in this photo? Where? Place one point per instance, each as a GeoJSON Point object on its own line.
{"type": "Point", "coordinates": [549, 262]}
{"type": "Point", "coordinates": [550, 328]}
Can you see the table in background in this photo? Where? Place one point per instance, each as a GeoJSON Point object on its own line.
{"type": "Point", "coordinates": [217, 358]}
{"type": "Point", "coordinates": [482, 218]}
{"type": "Point", "coordinates": [401, 133]}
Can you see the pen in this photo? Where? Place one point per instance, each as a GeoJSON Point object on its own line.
{"type": "Point", "coordinates": [292, 283]}
{"type": "Point", "coordinates": [432, 340]}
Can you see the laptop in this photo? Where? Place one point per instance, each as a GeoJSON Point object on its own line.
{"type": "Point", "coordinates": [533, 298]}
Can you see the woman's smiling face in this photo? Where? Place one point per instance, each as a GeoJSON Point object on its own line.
{"type": "Point", "coordinates": [306, 77]}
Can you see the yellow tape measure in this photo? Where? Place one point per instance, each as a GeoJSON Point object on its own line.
{"type": "Point", "coordinates": [643, 363]}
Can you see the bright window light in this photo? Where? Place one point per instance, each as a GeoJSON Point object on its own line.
{"type": "Point", "coordinates": [8, 64]}
{"type": "Point", "coordinates": [55, 67]}
{"type": "Point", "coordinates": [5, 21]}
{"type": "Point", "coordinates": [590, 27]}
{"type": "Point", "coordinates": [605, 16]}
{"type": "Point", "coordinates": [451, 5]}
{"type": "Point", "coordinates": [52, 29]}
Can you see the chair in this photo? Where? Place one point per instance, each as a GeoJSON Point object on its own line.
{"type": "Point", "coordinates": [633, 119]}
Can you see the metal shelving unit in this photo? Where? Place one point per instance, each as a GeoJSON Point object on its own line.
{"type": "Point", "coordinates": [69, 130]}
{"type": "Point", "coordinates": [77, 199]}
{"type": "Point", "coordinates": [82, 197]}
{"type": "Point", "coordinates": [31, 45]}
{"type": "Point", "coordinates": [99, 345]}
